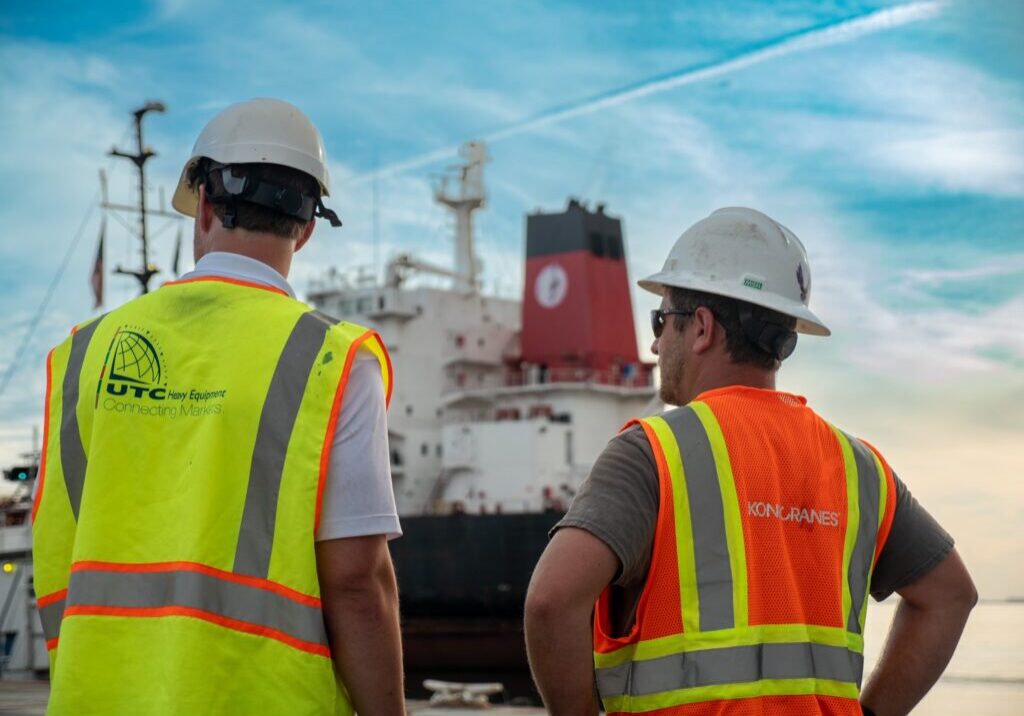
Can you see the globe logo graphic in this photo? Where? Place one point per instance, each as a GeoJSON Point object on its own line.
{"type": "Point", "coordinates": [135, 359]}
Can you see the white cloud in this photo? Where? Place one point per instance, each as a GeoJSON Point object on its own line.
{"type": "Point", "coordinates": [982, 161]}
{"type": "Point", "coordinates": [906, 119]}
{"type": "Point", "coordinates": [994, 268]}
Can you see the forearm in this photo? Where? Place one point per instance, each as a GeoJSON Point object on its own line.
{"type": "Point", "coordinates": [560, 647]}
{"type": "Point", "coordinates": [366, 645]}
{"type": "Point", "coordinates": [919, 646]}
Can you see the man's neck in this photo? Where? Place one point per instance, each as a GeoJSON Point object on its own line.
{"type": "Point", "coordinates": [726, 374]}
{"type": "Point", "coordinates": [274, 251]}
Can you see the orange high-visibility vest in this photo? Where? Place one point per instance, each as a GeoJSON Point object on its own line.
{"type": "Point", "coordinates": [769, 525]}
{"type": "Point", "coordinates": [188, 435]}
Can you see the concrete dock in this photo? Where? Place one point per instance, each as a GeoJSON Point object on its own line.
{"type": "Point", "coordinates": [28, 698]}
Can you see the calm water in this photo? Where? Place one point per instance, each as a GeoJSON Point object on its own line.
{"type": "Point", "coordinates": [986, 676]}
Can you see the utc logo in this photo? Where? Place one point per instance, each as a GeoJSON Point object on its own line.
{"type": "Point", "coordinates": [133, 367]}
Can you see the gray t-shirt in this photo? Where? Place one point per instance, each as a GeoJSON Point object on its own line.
{"type": "Point", "coordinates": [618, 504]}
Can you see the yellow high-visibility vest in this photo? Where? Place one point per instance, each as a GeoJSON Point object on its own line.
{"type": "Point", "coordinates": [769, 525]}
{"type": "Point", "coordinates": [187, 439]}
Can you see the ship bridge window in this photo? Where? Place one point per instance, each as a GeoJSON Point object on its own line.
{"type": "Point", "coordinates": [364, 305]}
{"type": "Point", "coordinates": [380, 303]}
{"type": "Point", "coordinates": [424, 449]}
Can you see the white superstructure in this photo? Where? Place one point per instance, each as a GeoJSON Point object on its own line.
{"type": "Point", "coordinates": [472, 428]}
{"type": "Point", "coordinates": [22, 644]}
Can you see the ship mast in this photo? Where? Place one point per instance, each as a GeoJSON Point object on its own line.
{"type": "Point", "coordinates": [142, 154]}
{"type": "Point", "coordinates": [470, 197]}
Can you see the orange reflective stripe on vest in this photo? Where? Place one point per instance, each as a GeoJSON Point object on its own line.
{"type": "Point", "coordinates": [51, 612]}
{"type": "Point", "coordinates": [183, 589]}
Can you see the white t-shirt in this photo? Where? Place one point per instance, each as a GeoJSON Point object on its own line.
{"type": "Point", "coordinates": [359, 499]}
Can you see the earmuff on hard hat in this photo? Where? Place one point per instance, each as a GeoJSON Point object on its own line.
{"type": "Point", "coordinates": [256, 191]}
{"type": "Point", "coordinates": [774, 339]}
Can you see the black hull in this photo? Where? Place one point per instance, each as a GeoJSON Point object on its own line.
{"type": "Point", "coordinates": [462, 582]}
{"type": "Point", "coordinates": [468, 566]}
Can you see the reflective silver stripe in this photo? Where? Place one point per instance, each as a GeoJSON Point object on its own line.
{"type": "Point", "coordinates": [730, 665]}
{"type": "Point", "coordinates": [711, 549]}
{"type": "Point", "coordinates": [867, 531]}
{"type": "Point", "coordinates": [280, 409]}
{"type": "Point", "coordinates": [72, 453]}
{"type": "Point", "coordinates": [51, 616]}
{"type": "Point", "coordinates": [196, 590]}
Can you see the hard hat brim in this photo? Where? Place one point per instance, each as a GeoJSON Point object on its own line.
{"type": "Point", "coordinates": [806, 321]}
{"type": "Point", "coordinates": [185, 199]}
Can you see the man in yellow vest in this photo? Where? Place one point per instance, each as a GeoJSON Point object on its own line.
{"type": "Point", "coordinates": [214, 498]}
{"type": "Point", "coordinates": [730, 544]}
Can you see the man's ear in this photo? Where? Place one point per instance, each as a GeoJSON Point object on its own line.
{"type": "Point", "coordinates": [306, 233]}
{"type": "Point", "coordinates": [204, 211]}
{"type": "Point", "coordinates": [706, 329]}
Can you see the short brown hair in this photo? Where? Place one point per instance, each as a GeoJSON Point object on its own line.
{"type": "Point", "coordinates": [254, 217]}
{"type": "Point", "coordinates": [727, 313]}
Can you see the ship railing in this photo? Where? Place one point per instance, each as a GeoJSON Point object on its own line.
{"type": "Point", "coordinates": [630, 376]}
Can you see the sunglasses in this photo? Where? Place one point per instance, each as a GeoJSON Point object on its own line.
{"type": "Point", "coordinates": [658, 319]}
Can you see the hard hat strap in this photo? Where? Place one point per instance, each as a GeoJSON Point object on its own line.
{"type": "Point", "coordinates": [271, 196]}
{"type": "Point", "coordinates": [772, 338]}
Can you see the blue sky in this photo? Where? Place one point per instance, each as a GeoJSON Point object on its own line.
{"type": "Point", "coordinates": [893, 147]}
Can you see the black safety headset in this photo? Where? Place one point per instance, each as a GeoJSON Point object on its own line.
{"type": "Point", "coordinates": [278, 198]}
{"type": "Point", "coordinates": [774, 339]}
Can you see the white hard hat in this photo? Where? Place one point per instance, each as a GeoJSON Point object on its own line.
{"type": "Point", "coordinates": [743, 254]}
{"type": "Point", "coordinates": [259, 131]}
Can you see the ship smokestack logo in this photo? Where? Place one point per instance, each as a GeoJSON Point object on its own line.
{"type": "Point", "coordinates": [551, 286]}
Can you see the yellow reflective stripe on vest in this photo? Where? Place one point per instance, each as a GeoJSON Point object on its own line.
{"type": "Point", "coordinates": [737, 549]}
{"type": "Point", "coordinates": [864, 512]}
{"type": "Point", "coordinates": [712, 561]}
{"type": "Point", "coordinates": [758, 634]}
{"type": "Point", "coordinates": [72, 452]}
{"type": "Point", "coordinates": [730, 665]}
{"type": "Point", "coordinates": [749, 690]}
{"type": "Point", "coordinates": [277, 419]}
{"type": "Point", "coordinates": [125, 592]}
{"type": "Point", "coordinates": [689, 596]}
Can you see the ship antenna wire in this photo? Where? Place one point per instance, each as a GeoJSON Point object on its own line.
{"type": "Point", "coordinates": [41, 311]}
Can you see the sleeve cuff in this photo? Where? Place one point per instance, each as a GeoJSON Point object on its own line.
{"type": "Point", "coordinates": [387, 525]}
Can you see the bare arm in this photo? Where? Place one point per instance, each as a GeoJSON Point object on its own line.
{"type": "Point", "coordinates": [360, 604]}
{"type": "Point", "coordinates": [573, 571]}
{"type": "Point", "coordinates": [925, 631]}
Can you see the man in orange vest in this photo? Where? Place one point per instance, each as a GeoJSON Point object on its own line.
{"type": "Point", "coordinates": [719, 557]}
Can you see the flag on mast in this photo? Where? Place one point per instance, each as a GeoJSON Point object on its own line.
{"type": "Point", "coordinates": [97, 268]}
{"type": "Point", "coordinates": [177, 253]}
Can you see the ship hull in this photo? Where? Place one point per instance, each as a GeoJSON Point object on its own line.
{"type": "Point", "coordinates": [462, 582]}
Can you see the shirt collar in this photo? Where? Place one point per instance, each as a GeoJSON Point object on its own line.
{"type": "Point", "coordinates": [230, 265]}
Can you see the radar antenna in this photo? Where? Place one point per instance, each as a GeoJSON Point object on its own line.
{"type": "Point", "coordinates": [469, 197]}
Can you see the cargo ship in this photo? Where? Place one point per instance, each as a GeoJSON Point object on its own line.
{"type": "Point", "coordinates": [499, 409]}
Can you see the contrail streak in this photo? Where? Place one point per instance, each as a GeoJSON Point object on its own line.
{"type": "Point", "coordinates": [809, 39]}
